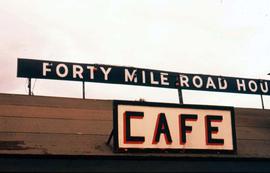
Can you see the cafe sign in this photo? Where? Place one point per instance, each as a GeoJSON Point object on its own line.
{"type": "Point", "coordinates": [143, 127]}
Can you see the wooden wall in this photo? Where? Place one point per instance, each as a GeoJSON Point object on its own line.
{"type": "Point", "coordinates": [68, 126]}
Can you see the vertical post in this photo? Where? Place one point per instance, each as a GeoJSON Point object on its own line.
{"type": "Point", "coordinates": [29, 87]}
{"type": "Point", "coordinates": [83, 90]}
{"type": "Point", "coordinates": [180, 94]}
{"type": "Point", "coordinates": [261, 81]}
{"type": "Point", "coordinates": [262, 101]}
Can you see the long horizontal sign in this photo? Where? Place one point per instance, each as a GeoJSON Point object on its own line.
{"type": "Point", "coordinates": [140, 126]}
{"type": "Point", "coordinates": [30, 68]}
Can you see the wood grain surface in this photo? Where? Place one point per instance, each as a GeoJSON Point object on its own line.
{"type": "Point", "coordinates": [68, 126]}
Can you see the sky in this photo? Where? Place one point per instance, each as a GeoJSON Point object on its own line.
{"type": "Point", "coordinates": [218, 37]}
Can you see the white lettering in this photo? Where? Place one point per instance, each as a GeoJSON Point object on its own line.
{"type": "Point", "coordinates": [152, 80]}
{"type": "Point", "coordinates": [195, 79]}
{"type": "Point", "coordinates": [264, 90]}
{"type": "Point", "coordinates": [45, 68]}
{"type": "Point", "coordinates": [164, 78]}
{"type": "Point", "coordinates": [210, 83]}
{"type": "Point", "coordinates": [77, 71]}
{"type": "Point", "coordinates": [106, 72]}
{"type": "Point", "coordinates": [241, 85]}
{"type": "Point", "coordinates": [92, 71]}
{"type": "Point", "coordinates": [225, 84]}
{"type": "Point", "coordinates": [254, 84]}
{"type": "Point", "coordinates": [58, 72]}
{"type": "Point", "coordinates": [183, 80]}
{"type": "Point", "coordinates": [143, 76]}
{"type": "Point", "coordinates": [131, 77]}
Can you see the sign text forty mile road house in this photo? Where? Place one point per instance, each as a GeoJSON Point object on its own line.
{"type": "Point", "coordinates": [40, 69]}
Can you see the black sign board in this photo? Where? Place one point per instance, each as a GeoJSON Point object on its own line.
{"type": "Point", "coordinates": [44, 69]}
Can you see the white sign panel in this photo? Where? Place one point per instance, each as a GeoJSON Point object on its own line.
{"type": "Point", "coordinates": [143, 127]}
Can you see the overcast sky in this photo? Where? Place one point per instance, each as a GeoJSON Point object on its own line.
{"type": "Point", "coordinates": [220, 37]}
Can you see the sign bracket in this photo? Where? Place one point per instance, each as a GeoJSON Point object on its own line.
{"type": "Point", "coordinates": [110, 138]}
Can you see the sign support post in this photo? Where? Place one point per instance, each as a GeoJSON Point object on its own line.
{"type": "Point", "coordinates": [83, 90]}
{"type": "Point", "coordinates": [262, 101]}
{"type": "Point", "coordinates": [180, 94]}
{"type": "Point", "coordinates": [29, 87]}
